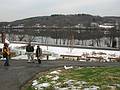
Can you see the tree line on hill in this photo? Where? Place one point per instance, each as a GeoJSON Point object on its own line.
{"type": "Point", "coordinates": [63, 20]}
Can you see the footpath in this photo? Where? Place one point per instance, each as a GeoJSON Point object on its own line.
{"type": "Point", "coordinates": [19, 72]}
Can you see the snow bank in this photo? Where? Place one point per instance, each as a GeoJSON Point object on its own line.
{"type": "Point", "coordinates": [57, 51]}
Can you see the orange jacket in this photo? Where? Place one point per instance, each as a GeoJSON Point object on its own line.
{"type": "Point", "coordinates": [6, 51]}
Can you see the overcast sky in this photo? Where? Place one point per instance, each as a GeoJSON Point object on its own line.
{"type": "Point", "coordinates": [11, 10]}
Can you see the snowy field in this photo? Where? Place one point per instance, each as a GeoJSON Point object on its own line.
{"type": "Point", "coordinates": [55, 52]}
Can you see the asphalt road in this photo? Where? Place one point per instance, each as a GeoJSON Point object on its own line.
{"type": "Point", "coordinates": [19, 71]}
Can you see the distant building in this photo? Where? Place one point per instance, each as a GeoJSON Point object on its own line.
{"type": "Point", "coordinates": [107, 25]}
{"type": "Point", "coordinates": [44, 26]}
{"type": "Point", "coordinates": [79, 26]}
{"type": "Point", "coordinates": [104, 26]}
{"type": "Point", "coordinates": [93, 24]}
{"type": "Point", "coordinates": [7, 26]}
{"type": "Point", "coordinates": [37, 25]}
{"type": "Point", "coordinates": [18, 26]}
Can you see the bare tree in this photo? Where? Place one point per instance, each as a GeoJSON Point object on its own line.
{"type": "Point", "coordinates": [21, 37]}
{"type": "Point", "coordinates": [31, 38]}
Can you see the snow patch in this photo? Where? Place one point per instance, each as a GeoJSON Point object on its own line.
{"type": "Point", "coordinates": [35, 82]}
{"type": "Point", "coordinates": [55, 78]}
{"type": "Point", "coordinates": [43, 85]}
{"type": "Point", "coordinates": [65, 67]}
{"type": "Point", "coordinates": [54, 72]}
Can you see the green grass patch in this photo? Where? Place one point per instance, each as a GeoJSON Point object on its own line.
{"type": "Point", "coordinates": [96, 76]}
{"type": "Point", "coordinates": [99, 76]}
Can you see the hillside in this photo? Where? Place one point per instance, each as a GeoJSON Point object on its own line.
{"type": "Point", "coordinates": [62, 20]}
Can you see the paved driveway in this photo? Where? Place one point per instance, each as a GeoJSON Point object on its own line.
{"type": "Point", "coordinates": [19, 72]}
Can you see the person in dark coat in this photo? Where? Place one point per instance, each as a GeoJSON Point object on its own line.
{"type": "Point", "coordinates": [30, 52]}
{"type": "Point", "coordinates": [38, 54]}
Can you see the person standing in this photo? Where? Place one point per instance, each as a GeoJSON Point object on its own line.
{"type": "Point", "coordinates": [30, 52]}
{"type": "Point", "coordinates": [6, 54]}
{"type": "Point", "coordinates": [38, 54]}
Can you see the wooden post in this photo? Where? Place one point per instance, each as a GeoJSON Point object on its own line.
{"type": "Point", "coordinates": [63, 57]}
{"type": "Point", "coordinates": [47, 57]}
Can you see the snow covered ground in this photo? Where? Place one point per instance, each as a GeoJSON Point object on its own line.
{"type": "Point", "coordinates": [57, 51]}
